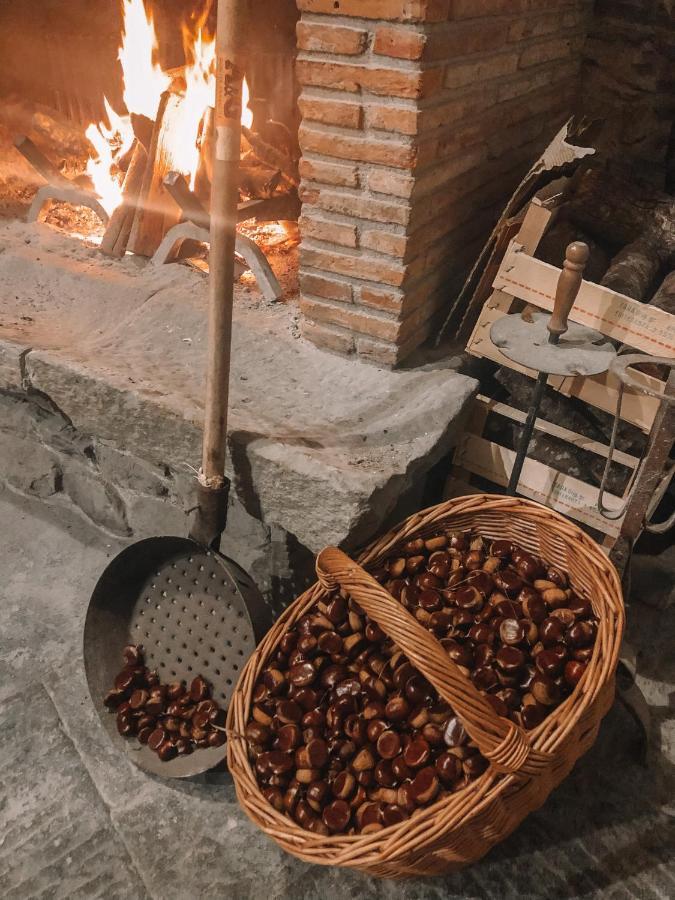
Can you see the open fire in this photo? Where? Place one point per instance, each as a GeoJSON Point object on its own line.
{"type": "Point", "coordinates": [144, 82]}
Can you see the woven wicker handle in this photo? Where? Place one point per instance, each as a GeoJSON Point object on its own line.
{"type": "Point", "coordinates": [502, 742]}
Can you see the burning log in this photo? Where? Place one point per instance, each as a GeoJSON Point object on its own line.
{"type": "Point", "coordinates": [39, 162]}
{"type": "Point", "coordinates": [143, 128]}
{"type": "Point", "coordinates": [155, 211]}
{"type": "Point", "coordinates": [117, 233]}
{"type": "Point", "coordinates": [256, 180]}
{"type": "Point", "coordinates": [204, 172]}
{"type": "Point", "coordinates": [272, 157]}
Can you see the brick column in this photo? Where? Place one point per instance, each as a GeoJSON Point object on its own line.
{"type": "Point", "coordinates": [419, 116]}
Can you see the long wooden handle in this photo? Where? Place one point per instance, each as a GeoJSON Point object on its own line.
{"type": "Point", "coordinates": [224, 198]}
{"type": "Point", "coordinates": [505, 744]}
{"type": "Point", "coordinates": [576, 257]}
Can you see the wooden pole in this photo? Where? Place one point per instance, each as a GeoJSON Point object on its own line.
{"type": "Point", "coordinates": [224, 197]}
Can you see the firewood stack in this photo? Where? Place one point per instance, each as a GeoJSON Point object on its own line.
{"type": "Point", "coordinates": [630, 228]}
{"type": "Point", "coordinates": [148, 211]}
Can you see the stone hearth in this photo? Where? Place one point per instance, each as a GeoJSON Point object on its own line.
{"type": "Point", "coordinates": [101, 387]}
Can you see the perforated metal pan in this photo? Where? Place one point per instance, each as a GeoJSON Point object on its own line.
{"type": "Point", "coordinates": [194, 611]}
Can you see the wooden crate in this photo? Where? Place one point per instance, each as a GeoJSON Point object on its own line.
{"type": "Point", "coordinates": [520, 280]}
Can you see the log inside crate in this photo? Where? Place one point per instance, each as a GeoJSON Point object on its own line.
{"type": "Point", "coordinates": [599, 391]}
{"type": "Point", "coordinates": [633, 270]}
{"type": "Point", "coordinates": [647, 327]}
{"type": "Point", "coordinates": [569, 496]}
{"type": "Point", "coordinates": [619, 210]}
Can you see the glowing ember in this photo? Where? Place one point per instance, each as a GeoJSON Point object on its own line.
{"type": "Point", "coordinates": [144, 83]}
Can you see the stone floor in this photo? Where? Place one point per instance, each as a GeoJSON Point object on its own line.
{"type": "Point", "coordinates": [79, 821]}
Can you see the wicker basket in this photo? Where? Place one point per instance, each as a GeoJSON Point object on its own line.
{"type": "Point", "coordinates": [524, 766]}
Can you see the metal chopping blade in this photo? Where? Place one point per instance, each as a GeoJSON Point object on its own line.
{"type": "Point", "coordinates": [579, 351]}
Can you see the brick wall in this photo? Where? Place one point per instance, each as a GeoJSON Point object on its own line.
{"type": "Point", "coordinates": [628, 80]}
{"type": "Point", "coordinates": [419, 117]}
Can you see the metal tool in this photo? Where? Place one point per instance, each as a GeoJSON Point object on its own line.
{"type": "Point", "coordinates": [653, 475]}
{"type": "Point", "coordinates": [551, 346]}
{"type": "Point", "coordinates": [194, 610]}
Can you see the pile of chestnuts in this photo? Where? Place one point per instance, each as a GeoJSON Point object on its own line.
{"type": "Point", "coordinates": [346, 736]}
{"type": "Point", "coordinates": [172, 719]}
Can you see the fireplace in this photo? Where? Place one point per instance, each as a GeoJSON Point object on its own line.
{"type": "Point", "coordinates": [400, 126]}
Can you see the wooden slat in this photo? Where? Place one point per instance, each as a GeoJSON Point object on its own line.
{"type": "Point", "coordinates": [538, 481]}
{"type": "Point", "coordinates": [639, 325]}
{"type": "Point", "coordinates": [557, 431]}
{"type": "Point", "coordinates": [599, 390]}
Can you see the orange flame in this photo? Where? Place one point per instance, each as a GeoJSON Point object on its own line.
{"type": "Point", "coordinates": [143, 84]}
{"type": "Point", "coordinates": [144, 81]}
{"type": "Point", "coordinates": [110, 144]}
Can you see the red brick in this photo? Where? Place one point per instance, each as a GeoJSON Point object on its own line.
{"type": "Point", "coordinates": [401, 43]}
{"type": "Point", "coordinates": [379, 298]}
{"type": "Point", "coordinates": [545, 51]}
{"type": "Point", "coordinates": [528, 81]}
{"type": "Point", "coordinates": [389, 10]}
{"type": "Point", "coordinates": [394, 245]}
{"type": "Point", "coordinates": [468, 104]}
{"type": "Point", "coordinates": [464, 39]}
{"type": "Point", "coordinates": [534, 26]}
{"type": "Point", "coordinates": [368, 268]}
{"type": "Point", "coordinates": [361, 207]}
{"type": "Point", "coordinates": [401, 119]}
{"type": "Point", "coordinates": [331, 112]}
{"type": "Point", "coordinates": [396, 184]}
{"type": "Point", "coordinates": [378, 352]}
{"type": "Point", "coordinates": [481, 70]}
{"type": "Point", "coordinates": [330, 288]}
{"type": "Point", "coordinates": [336, 339]}
{"type": "Point", "coordinates": [329, 173]}
{"type": "Point", "coordinates": [331, 38]}
{"type": "Point", "coordinates": [350, 317]}
{"type": "Point", "coordinates": [318, 139]}
{"type": "Point", "coordinates": [437, 176]}
{"type": "Point", "coordinates": [472, 9]}
{"type": "Point", "coordinates": [328, 231]}
{"type": "Point", "coordinates": [389, 82]}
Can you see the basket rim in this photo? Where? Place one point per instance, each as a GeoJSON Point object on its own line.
{"type": "Point", "coordinates": [547, 736]}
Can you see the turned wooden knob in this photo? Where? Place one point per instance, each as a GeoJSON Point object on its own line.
{"type": "Point", "coordinates": [576, 257]}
